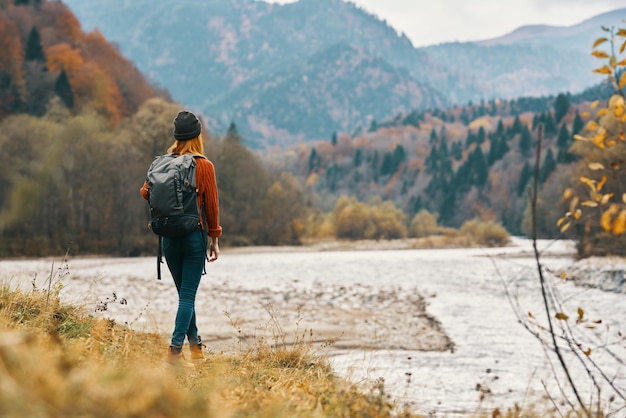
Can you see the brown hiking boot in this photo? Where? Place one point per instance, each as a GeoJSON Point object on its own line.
{"type": "Point", "coordinates": [197, 350]}
{"type": "Point", "coordinates": [176, 357]}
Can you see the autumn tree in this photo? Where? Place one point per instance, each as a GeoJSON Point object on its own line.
{"type": "Point", "coordinates": [597, 204]}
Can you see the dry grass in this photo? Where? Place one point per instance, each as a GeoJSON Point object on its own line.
{"type": "Point", "coordinates": [58, 361]}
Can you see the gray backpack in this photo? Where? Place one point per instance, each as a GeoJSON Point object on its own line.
{"type": "Point", "coordinates": [173, 198]}
{"type": "Point", "coordinates": [173, 195]}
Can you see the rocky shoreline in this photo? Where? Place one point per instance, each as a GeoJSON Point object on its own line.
{"type": "Point", "coordinates": [605, 273]}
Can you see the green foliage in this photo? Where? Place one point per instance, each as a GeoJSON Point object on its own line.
{"type": "Point", "coordinates": [34, 50]}
{"type": "Point", "coordinates": [63, 89]}
{"type": "Point", "coordinates": [561, 107]}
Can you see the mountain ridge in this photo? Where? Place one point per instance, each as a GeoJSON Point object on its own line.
{"type": "Point", "coordinates": [226, 46]}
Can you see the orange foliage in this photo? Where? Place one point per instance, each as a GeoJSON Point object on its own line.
{"type": "Point", "coordinates": [11, 50]}
{"type": "Point", "coordinates": [63, 56]}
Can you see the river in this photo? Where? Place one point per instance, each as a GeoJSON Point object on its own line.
{"type": "Point", "coordinates": [495, 361]}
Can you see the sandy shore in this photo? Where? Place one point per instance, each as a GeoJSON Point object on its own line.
{"type": "Point", "coordinates": [233, 314]}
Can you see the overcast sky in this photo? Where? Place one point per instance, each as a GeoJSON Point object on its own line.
{"type": "Point", "coordinates": [429, 22]}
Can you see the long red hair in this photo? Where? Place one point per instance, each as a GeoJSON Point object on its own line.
{"type": "Point", "coordinates": [190, 146]}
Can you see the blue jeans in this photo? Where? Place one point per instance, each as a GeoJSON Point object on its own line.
{"type": "Point", "coordinates": [185, 258]}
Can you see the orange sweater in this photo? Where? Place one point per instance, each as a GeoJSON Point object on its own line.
{"type": "Point", "coordinates": [207, 193]}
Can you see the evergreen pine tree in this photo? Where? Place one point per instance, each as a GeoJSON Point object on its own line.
{"type": "Point", "coordinates": [526, 141]}
{"type": "Point", "coordinates": [493, 153]}
{"type": "Point", "coordinates": [471, 138]}
{"type": "Point", "coordinates": [481, 136]}
{"type": "Point", "coordinates": [517, 125]}
{"type": "Point", "coordinates": [358, 157]}
{"type": "Point", "coordinates": [561, 107]}
{"type": "Point", "coordinates": [333, 139]}
{"type": "Point", "coordinates": [500, 128]}
{"type": "Point", "coordinates": [34, 50]}
{"type": "Point", "coordinates": [578, 124]}
{"type": "Point", "coordinates": [503, 148]}
{"type": "Point", "coordinates": [433, 137]}
{"type": "Point", "coordinates": [313, 159]}
{"type": "Point", "coordinates": [550, 127]}
{"type": "Point", "coordinates": [563, 140]}
{"type": "Point", "coordinates": [457, 150]}
{"type": "Point", "coordinates": [480, 168]}
{"type": "Point", "coordinates": [233, 134]}
{"type": "Point", "coordinates": [63, 89]}
{"type": "Point", "coordinates": [549, 164]}
{"type": "Point", "coordinates": [524, 176]}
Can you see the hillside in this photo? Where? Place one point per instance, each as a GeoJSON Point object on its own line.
{"type": "Point", "coordinates": [244, 61]}
{"type": "Point", "coordinates": [46, 55]}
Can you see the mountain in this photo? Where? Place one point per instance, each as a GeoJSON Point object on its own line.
{"type": "Point", "coordinates": [577, 38]}
{"type": "Point", "coordinates": [532, 60]}
{"type": "Point", "coordinates": [303, 70]}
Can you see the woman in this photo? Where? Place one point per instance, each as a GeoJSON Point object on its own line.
{"type": "Point", "coordinates": [185, 256]}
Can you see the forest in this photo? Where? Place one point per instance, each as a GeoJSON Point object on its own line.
{"type": "Point", "coordinates": [79, 125]}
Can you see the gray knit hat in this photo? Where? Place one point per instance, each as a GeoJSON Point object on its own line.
{"type": "Point", "coordinates": [186, 126]}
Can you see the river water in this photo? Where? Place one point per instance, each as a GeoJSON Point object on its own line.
{"type": "Point", "coordinates": [495, 362]}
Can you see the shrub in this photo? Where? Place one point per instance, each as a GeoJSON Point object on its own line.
{"type": "Point", "coordinates": [490, 233]}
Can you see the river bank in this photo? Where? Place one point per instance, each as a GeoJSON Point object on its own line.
{"type": "Point", "coordinates": [435, 324]}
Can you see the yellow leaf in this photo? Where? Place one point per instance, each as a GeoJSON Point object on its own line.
{"type": "Point", "coordinates": [589, 204]}
{"type": "Point", "coordinates": [581, 314]}
{"type": "Point", "coordinates": [619, 226]}
{"type": "Point", "coordinates": [624, 197]}
{"type": "Point", "coordinates": [601, 183]}
{"type": "Point", "coordinates": [622, 82]}
{"type": "Point", "coordinates": [599, 41]}
{"type": "Point", "coordinates": [562, 316]}
{"type": "Point", "coordinates": [578, 214]}
{"type": "Point", "coordinates": [592, 125]}
{"type": "Point", "coordinates": [605, 198]}
{"type": "Point", "coordinates": [588, 352]}
{"type": "Point", "coordinates": [567, 194]}
{"type": "Point", "coordinates": [606, 218]}
{"type": "Point", "coordinates": [530, 314]}
{"type": "Point", "coordinates": [599, 54]}
{"type": "Point", "coordinates": [621, 32]}
{"type": "Point", "coordinates": [594, 104]}
{"type": "Point", "coordinates": [619, 110]}
{"type": "Point", "coordinates": [622, 48]}
{"type": "Point", "coordinates": [611, 143]}
{"type": "Point", "coordinates": [598, 140]}
{"type": "Point", "coordinates": [560, 221]}
{"type": "Point", "coordinates": [602, 112]}
{"type": "Point", "coordinates": [588, 182]}
{"type": "Point", "coordinates": [580, 138]}
{"type": "Point", "coordinates": [622, 62]}
{"type": "Point", "coordinates": [603, 70]}
{"type": "Point", "coordinates": [623, 118]}
{"type": "Point", "coordinates": [563, 275]}
{"type": "Point", "coordinates": [573, 204]}
{"type": "Point", "coordinates": [596, 166]}
{"type": "Point", "coordinates": [565, 227]}
{"type": "Point", "coordinates": [585, 115]}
